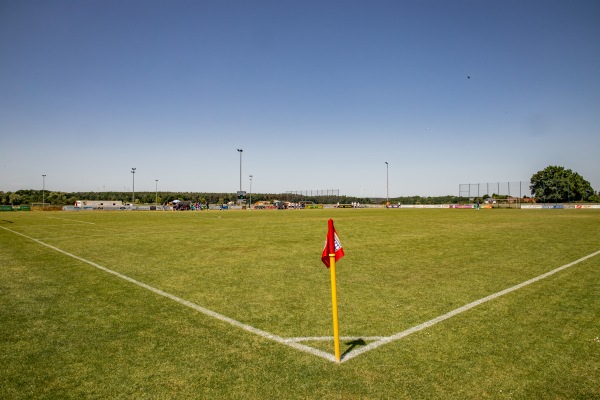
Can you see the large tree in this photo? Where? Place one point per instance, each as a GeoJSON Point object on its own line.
{"type": "Point", "coordinates": [557, 184]}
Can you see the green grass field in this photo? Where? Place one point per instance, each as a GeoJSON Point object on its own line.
{"type": "Point", "coordinates": [70, 330]}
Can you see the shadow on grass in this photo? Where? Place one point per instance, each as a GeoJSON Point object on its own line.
{"type": "Point", "coordinates": [352, 344]}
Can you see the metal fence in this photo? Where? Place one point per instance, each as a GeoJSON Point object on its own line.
{"type": "Point", "coordinates": [323, 192]}
{"type": "Point", "coordinates": [518, 189]}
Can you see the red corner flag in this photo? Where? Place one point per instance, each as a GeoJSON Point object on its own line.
{"type": "Point", "coordinates": [332, 245]}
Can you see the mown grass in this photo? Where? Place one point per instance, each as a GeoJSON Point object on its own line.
{"type": "Point", "coordinates": [72, 331]}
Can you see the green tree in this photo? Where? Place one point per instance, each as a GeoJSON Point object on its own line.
{"type": "Point", "coordinates": [56, 198]}
{"type": "Point", "coordinates": [557, 184]}
{"type": "Point", "coordinates": [15, 199]}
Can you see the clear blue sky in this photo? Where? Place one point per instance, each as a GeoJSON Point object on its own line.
{"type": "Point", "coordinates": [318, 94]}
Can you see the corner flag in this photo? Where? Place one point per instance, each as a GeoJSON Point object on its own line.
{"type": "Point", "coordinates": [331, 253]}
{"type": "Point", "coordinates": [332, 245]}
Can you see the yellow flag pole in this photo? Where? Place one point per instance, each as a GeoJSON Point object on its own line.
{"type": "Point", "coordinates": [334, 306]}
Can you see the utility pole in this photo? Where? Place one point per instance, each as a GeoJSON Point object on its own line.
{"type": "Point", "coordinates": [133, 187]}
{"type": "Point", "coordinates": [43, 191]}
{"type": "Point", "coordinates": [387, 184]}
{"type": "Point", "coordinates": [240, 151]}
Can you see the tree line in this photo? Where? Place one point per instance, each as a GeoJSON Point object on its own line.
{"type": "Point", "coordinates": [34, 196]}
{"type": "Point", "coordinates": [552, 184]}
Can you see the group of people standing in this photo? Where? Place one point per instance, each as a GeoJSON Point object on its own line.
{"type": "Point", "coordinates": [188, 205]}
{"type": "Point", "coordinates": [199, 206]}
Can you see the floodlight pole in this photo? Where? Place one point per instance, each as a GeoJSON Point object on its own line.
{"type": "Point", "coordinates": [250, 207]}
{"type": "Point", "coordinates": [43, 191]}
{"type": "Point", "coordinates": [156, 188]}
{"type": "Point", "coordinates": [133, 187]}
{"type": "Point", "coordinates": [240, 151]}
{"type": "Point", "coordinates": [387, 184]}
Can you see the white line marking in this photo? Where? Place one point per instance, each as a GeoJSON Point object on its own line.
{"type": "Point", "coordinates": [293, 342]}
{"type": "Point", "coordinates": [459, 310]}
{"type": "Point", "coordinates": [326, 338]}
{"type": "Point", "coordinates": [194, 306]}
{"type": "Point", "coordinates": [72, 220]}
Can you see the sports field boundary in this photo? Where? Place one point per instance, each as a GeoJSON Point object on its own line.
{"type": "Point", "coordinates": [295, 341]}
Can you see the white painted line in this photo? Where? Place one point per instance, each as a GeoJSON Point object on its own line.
{"type": "Point", "coordinates": [72, 220]}
{"type": "Point", "coordinates": [205, 311]}
{"type": "Point", "coordinates": [293, 342]}
{"type": "Point", "coordinates": [459, 310]}
{"type": "Point", "coordinates": [326, 338]}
